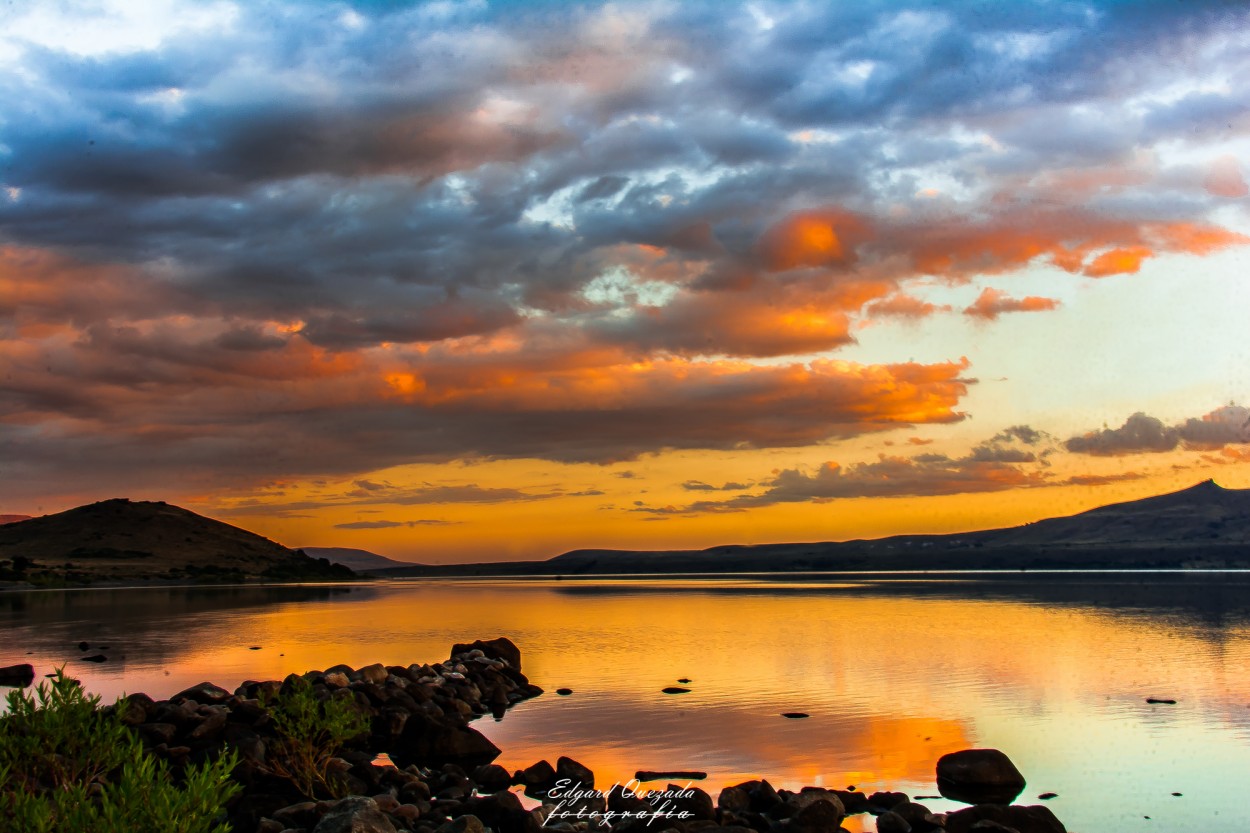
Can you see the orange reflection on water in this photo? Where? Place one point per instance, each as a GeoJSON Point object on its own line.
{"type": "Point", "coordinates": [892, 678]}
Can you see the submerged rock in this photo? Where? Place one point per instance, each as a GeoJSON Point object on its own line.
{"type": "Point", "coordinates": [979, 776]}
{"type": "Point", "coordinates": [674, 689]}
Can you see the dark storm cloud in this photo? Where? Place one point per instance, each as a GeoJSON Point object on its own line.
{"type": "Point", "coordinates": [246, 247]}
{"type": "Point", "coordinates": [1142, 433]}
{"type": "Point", "coordinates": [1139, 433]}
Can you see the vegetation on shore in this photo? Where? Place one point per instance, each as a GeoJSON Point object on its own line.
{"type": "Point", "coordinates": [68, 765]}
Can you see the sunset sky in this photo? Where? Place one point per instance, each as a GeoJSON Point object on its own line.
{"type": "Point", "coordinates": [481, 281]}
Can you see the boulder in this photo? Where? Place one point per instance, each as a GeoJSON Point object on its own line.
{"type": "Point", "coordinates": [538, 779]}
{"type": "Point", "coordinates": [499, 648]}
{"type": "Point", "coordinates": [355, 815]}
{"type": "Point", "coordinates": [206, 693]}
{"type": "Point", "coordinates": [979, 776]}
{"type": "Point", "coordinates": [491, 778]}
{"type": "Point", "coordinates": [431, 741]}
{"type": "Point", "coordinates": [576, 773]}
{"type": "Point", "coordinates": [17, 676]}
{"type": "Point", "coordinates": [501, 812]}
{"type": "Point", "coordinates": [824, 815]}
{"type": "Point", "coordinates": [892, 822]}
{"type": "Point", "coordinates": [1031, 819]}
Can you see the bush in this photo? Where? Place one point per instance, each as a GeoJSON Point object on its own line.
{"type": "Point", "coordinates": [311, 731]}
{"type": "Point", "coordinates": [65, 765]}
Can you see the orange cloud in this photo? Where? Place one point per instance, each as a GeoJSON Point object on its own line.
{"type": "Point", "coordinates": [959, 250]}
{"type": "Point", "coordinates": [1224, 179]}
{"type": "Point", "coordinates": [902, 305]}
{"type": "Point", "coordinates": [992, 303]}
{"type": "Point", "coordinates": [1117, 262]}
{"type": "Point", "coordinates": [824, 238]}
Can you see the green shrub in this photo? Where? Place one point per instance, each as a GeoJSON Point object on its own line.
{"type": "Point", "coordinates": [311, 732]}
{"type": "Point", "coordinates": [67, 766]}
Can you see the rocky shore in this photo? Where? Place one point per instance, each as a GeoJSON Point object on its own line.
{"type": "Point", "coordinates": [421, 768]}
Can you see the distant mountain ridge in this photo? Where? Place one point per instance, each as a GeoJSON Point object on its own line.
{"type": "Point", "coordinates": [1205, 525]}
{"type": "Point", "coordinates": [121, 540]}
{"type": "Point", "coordinates": [362, 561]}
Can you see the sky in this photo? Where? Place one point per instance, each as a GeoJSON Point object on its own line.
{"type": "Point", "coordinates": [457, 281]}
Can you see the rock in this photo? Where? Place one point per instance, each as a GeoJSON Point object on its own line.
{"type": "Point", "coordinates": [95, 658]}
{"type": "Point", "coordinates": [917, 816]}
{"type": "Point", "coordinates": [203, 693]}
{"type": "Point", "coordinates": [82, 646]}
{"type": "Point", "coordinates": [133, 710]}
{"type": "Point", "coordinates": [499, 648]}
{"type": "Point", "coordinates": [1161, 700]}
{"type": "Point", "coordinates": [502, 812]}
{"type": "Point", "coordinates": [795, 715]}
{"type": "Point", "coordinates": [386, 802]}
{"type": "Point", "coordinates": [1049, 796]}
{"type": "Point", "coordinates": [430, 741]}
{"type": "Point", "coordinates": [684, 680]}
{"type": "Point", "coordinates": [886, 800]}
{"type": "Point", "coordinates": [538, 779]}
{"type": "Point", "coordinates": [375, 673]}
{"type": "Point", "coordinates": [762, 795]}
{"type": "Point", "coordinates": [675, 689]}
{"type": "Point", "coordinates": [355, 815]}
{"type": "Point", "coordinates": [824, 815]}
{"type": "Point", "coordinates": [157, 733]}
{"type": "Point", "coordinates": [463, 824]}
{"type": "Point", "coordinates": [979, 776]}
{"type": "Point", "coordinates": [852, 801]}
{"type": "Point", "coordinates": [491, 778]}
{"type": "Point", "coordinates": [1031, 819]}
{"type": "Point", "coordinates": [17, 676]}
{"type": "Point", "coordinates": [564, 692]}
{"type": "Point", "coordinates": [303, 814]}
{"type": "Point", "coordinates": [576, 773]}
{"type": "Point", "coordinates": [892, 822]}
{"type": "Point", "coordinates": [697, 806]}
{"type": "Point", "coordinates": [734, 799]}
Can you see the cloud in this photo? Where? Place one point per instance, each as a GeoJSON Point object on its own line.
{"type": "Point", "coordinates": [236, 250]}
{"type": "Point", "coordinates": [902, 305]}
{"type": "Point", "coordinates": [391, 524]}
{"type": "Point", "coordinates": [922, 475]}
{"type": "Point", "coordinates": [992, 303]}
{"type": "Point", "coordinates": [1225, 180]}
{"type": "Point", "coordinates": [700, 486]}
{"type": "Point", "coordinates": [1224, 426]}
{"type": "Point", "coordinates": [1139, 433]}
{"type": "Point", "coordinates": [1142, 433]}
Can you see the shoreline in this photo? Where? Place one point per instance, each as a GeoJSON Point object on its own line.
{"type": "Point", "coordinates": [422, 768]}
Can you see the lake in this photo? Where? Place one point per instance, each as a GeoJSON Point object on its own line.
{"type": "Point", "coordinates": [894, 671]}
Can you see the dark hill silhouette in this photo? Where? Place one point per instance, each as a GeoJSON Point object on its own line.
{"type": "Point", "coordinates": [122, 540]}
{"type": "Point", "coordinates": [1202, 526]}
{"type": "Point", "coordinates": [362, 561]}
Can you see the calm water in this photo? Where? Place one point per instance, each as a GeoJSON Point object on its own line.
{"type": "Point", "coordinates": [894, 671]}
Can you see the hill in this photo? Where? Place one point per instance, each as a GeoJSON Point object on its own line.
{"type": "Point", "coordinates": [123, 541]}
{"type": "Point", "coordinates": [12, 519]}
{"type": "Point", "coordinates": [362, 561]}
{"type": "Point", "coordinates": [1202, 526]}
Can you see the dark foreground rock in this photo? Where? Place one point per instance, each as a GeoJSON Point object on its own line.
{"type": "Point", "coordinates": [438, 777]}
{"type": "Point", "coordinates": [1032, 819]}
{"type": "Point", "coordinates": [17, 676]}
{"type": "Point", "coordinates": [979, 776]}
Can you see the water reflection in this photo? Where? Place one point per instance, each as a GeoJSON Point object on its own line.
{"type": "Point", "coordinates": [893, 673]}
